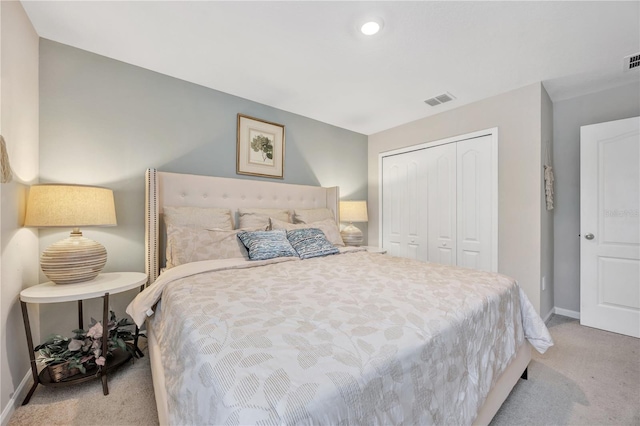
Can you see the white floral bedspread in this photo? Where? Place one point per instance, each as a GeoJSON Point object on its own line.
{"type": "Point", "coordinates": [350, 339]}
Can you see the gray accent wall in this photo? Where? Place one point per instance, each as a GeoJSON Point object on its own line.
{"type": "Point", "coordinates": [568, 116]}
{"type": "Point", "coordinates": [104, 122]}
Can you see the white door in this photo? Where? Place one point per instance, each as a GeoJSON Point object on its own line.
{"type": "Point", "coordinates": [477, 192]}
{"type": "Point", "coordinates": [404, 207]}
{"type": "Point", "coordinates": [610, 226]}
{"type": "Point", "coordinates": [441, 163]}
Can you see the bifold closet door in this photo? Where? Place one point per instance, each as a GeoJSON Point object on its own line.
{"type": "Point", "coordinates": [476, 198]}
{"type": "Point", "coordinates": [441, 190]}
{"type": "Point", "coordinates": [439, 204]}
{"type": "Point", "coordinates": [405, 204]}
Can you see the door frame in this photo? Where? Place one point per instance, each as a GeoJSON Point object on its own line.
{"type": "Point", "coordinates": [491, 132]}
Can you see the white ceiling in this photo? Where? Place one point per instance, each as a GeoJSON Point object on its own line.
{"type": "Point", "coordinates": [310, 59]}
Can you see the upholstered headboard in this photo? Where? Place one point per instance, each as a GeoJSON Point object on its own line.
{"type": "Point", "coordinates": [176, 189]}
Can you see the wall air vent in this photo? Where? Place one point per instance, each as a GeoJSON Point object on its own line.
{"type": "Point", "coordinates": [440, 99]}
{"type": "Point", "coordinates": [632, 62]}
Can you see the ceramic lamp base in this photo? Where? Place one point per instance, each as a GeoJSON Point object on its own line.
{"type": "Point", "coordinates": [352, 236]}
{"type": "Point", "coordinates": [73, 260]}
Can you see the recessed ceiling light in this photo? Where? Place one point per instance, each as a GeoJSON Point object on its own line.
{"type": "Point", "coordinates": [371, 27]}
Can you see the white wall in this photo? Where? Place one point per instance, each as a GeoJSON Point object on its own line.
{"type": "Point", "coordinates": [19, 256]}
{"type": "Point", "coordinates": [568, 115]}
{"type": "Point", "coordinates": [517, 114]}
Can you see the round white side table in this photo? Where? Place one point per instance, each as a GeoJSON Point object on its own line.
{"type": "Point", "coordinates": [102, 286]}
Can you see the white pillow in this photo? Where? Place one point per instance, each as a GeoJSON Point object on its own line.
{"type": "Point", "coordinates": [198, 217]}
{"type": "Point", "coordinates": [312, 215]}
{"type": "Point", "coordinates": [259, 218]}
{"type": "Point", "coordinates": [327, 226]}
{"type": "Point", "coordinates": [186, 244]}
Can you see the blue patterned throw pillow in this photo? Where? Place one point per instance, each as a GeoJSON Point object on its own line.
{"type": "Point", "coordinates": [310, 242]}
{"type": "Point", "coordinates": [263, 245]}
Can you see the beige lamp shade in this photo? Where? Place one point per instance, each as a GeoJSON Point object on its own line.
{"type": "Point", "coordinates": [69, 206]}
{"type": "Point", "coordinates": [353, 211]}
{"type": "Point", "coordinates": [74, 259]}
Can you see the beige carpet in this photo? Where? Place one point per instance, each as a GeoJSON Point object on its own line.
{"type": "Point", "coordinates": [590, 377]}
{"type": "Point", "coordinates": [131, 401]}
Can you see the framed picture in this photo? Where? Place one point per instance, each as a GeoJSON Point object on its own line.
{"type": "Point", "coordinates": [260, 148]}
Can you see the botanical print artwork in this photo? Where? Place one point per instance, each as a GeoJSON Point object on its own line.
{"type": "Point", "coordinates": [261, 147]}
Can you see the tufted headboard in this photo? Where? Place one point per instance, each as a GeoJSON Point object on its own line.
{"type": "Point", "coordinates": [176, 189]}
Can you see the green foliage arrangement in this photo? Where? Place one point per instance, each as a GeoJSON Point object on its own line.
{"type": "Point", "coordinates": [84, 350]}
{"type": "Point", "coordinates": [263, 144]}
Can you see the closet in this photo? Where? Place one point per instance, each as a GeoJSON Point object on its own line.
{"type": "Point", "coordinates": [439, 201]}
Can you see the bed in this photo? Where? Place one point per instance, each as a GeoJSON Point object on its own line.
{"type": "Point", "coordinates": [350, 338]}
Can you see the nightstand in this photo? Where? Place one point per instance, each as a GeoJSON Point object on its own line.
{"type": "Point", "coordinates": [373, 249]}
{"type": "Point", "coordinates": [102, 286]}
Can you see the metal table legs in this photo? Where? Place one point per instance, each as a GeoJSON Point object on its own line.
{"type": "Point", "coordinates": [105, 335]}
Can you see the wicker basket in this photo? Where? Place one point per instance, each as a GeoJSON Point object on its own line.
{"type": "Point", "coordinates": [59, 372]}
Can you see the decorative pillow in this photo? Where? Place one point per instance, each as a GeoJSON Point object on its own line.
{"type": "Point", "coordinates": [186, 244]}
{"type": "Point", "coordinates": [198, 217]}
{"type": "Point", "coordinates": [327, 226]}
{"type": "Point", "coordinates": [310, 242]}
{"type": "Point", "coordinates": [259, 218]}
{"type": "Point", "coordinates": [264, 245]}
{"type": "Point", "coordinates": [311, 215]}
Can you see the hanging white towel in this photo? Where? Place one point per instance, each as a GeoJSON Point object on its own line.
{"type": "Point", "coordinates": [548, 186]}
{"type": "Point", "coordinates": [548, 177]}
{"type": "Point", "coordinates": [5, 168]}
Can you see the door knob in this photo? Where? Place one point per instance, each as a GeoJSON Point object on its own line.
{"type": "Point", "coordinates": [444, 244]}
{"type": "Point", "coordinates": [589, 236]}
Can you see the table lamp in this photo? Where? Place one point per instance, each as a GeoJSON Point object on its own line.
{"type": "Point", "coordinates": [353, 211]}
{"type": "Point", "coordinates": [74, 259]}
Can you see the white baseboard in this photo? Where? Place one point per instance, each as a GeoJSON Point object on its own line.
{"type": "Point", "coordinates": [548, 316]}
{"type": "Point", "coordinates": [566, 313]}
{"type": "Point", "coordinates": [16, 399]}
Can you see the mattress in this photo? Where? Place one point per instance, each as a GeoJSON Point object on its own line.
{"type": "Point", "coordinates": [354, 338]}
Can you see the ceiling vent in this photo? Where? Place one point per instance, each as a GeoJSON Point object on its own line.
{"type": "Point", "coordinates": [632, 62]}
{"type": "Point", "coordinates": [440, 99]}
